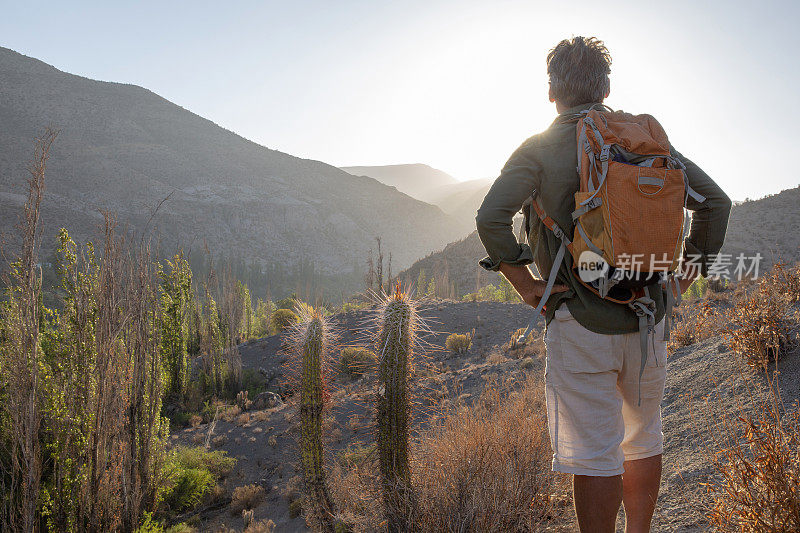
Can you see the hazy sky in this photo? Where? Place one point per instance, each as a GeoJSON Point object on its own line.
{"type": "Point", "coordinates": [455, 84]}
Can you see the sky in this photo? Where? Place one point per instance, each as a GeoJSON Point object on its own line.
{"type": "Point", "coordinates": [457, 85]}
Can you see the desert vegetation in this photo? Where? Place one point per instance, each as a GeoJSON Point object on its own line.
{"type": "Point", "coordinates": [91, 382]}
{"type": "Point", "coordinates": [104, 365]}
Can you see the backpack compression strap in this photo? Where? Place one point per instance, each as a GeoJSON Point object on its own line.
{"type": "Point", "coordinates": [534, 204]}
{"type": "Point", "coordinates": [645, 309]}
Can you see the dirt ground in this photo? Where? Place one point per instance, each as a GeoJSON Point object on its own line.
{"type": "Point", "coordinates": [264, 442]}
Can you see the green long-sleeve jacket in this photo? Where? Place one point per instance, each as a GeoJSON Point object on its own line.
{"type": "Point", "coordinates": [547, 163]}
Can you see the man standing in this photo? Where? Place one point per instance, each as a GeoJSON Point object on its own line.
{"type": "Point", "coordinates": [604, 416]}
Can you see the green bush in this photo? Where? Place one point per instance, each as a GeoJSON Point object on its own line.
{"type": "Point", "coordinates": [355, 361]}
{"type": "Point", "coordinates": [192, 473]}
{"type": "Point", "coordinates": [697, 289]}
{"type": "Point", "coordinates": [217, 462]}
{"type": "Point", "coordinates": [189, 487]}
{"type": "Point", "coordinates": [354, 306]}
{"type": "Point", "coordinates": [253, 382]}
{"type": "Point", "coordinates": [458, 343]}
{"type": "Point", "coordinates": [282, 319]}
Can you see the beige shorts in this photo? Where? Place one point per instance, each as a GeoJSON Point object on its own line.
{"type": "Point", "coordinates": [592, 392]}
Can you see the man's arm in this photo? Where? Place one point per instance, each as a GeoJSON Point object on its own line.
{"type": "Point", "coordinates": [516, 183]}
{"type": "Point", "coordinates": [529, 288]}
{"type": "Point", "coordinates": [709, 220]}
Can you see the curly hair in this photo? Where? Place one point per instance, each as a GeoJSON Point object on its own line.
{"type": "Point", "coordinates": [578, 70]}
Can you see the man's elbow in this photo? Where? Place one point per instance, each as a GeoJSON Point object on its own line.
{"type": "Point", "coordinates": [482, 220]}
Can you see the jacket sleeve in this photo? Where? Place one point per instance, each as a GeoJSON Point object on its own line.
{"type": "Point", "coordinates": [709, 218]}
{"type": "Point", "coordinates": [517, 181]}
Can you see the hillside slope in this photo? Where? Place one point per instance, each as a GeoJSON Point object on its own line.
{"type": "Point", "coordinates": [265, 443]}
{"type": "Point", "coordinates": [125, 149]}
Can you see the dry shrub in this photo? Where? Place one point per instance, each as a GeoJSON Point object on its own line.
{"type": "Point", "coordinates": [785, 280]}
{"type": "Point", "coordinates": [229, 413]}
{"type": "Point", "coordinates": [195, 420]}
{"type": "Point", "coordinates": [496, 358]}
{"type": "Point", "coordinates": [695, 323]}
{"type": "Point", "coordinates": [260, 416]}
{"type": "Point", "coordinates": [243, 419]}
{"type": "Point", "coordinates": [479, 468]}
{"type": "Point", "coordinates": [356, 488]}
{"type": "Point", "coordinates": [486, 467]}
{"type": "Point", "coordinates": [458, 343]}
{"type": "Point", "coordinates": [760, 327]}
{"type": "Point", "coordinates": [246, 497]}
{"type": "Point", "coordinates": [758, 466]}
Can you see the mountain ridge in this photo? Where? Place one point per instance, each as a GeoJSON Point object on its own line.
{"type": "Point", "coordinates": [124, 148]}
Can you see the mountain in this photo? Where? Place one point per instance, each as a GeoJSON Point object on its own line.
{"type": "Point", "coordinates": [766, 226]}
{"type": "Point", "coordinates": [415, 180]}
{"type": "Point", "coordinates": [762, 226]}
{"type": "Point", "coordinates": [460, 199]}
{"type": "Point", "coordinates": [124, 148]}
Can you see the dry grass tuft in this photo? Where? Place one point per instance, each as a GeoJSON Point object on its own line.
{"type": "Point", "coordinates": [246, 497]}
{"type": "Point", "coordinates": [263, 526]}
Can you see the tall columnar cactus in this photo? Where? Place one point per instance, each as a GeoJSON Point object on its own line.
{"type": "Point", "coordinates": [311, 344]}
{"type": "Point", "coordinates": [394, 350]}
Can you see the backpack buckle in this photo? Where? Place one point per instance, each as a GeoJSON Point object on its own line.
{"type": "Point", "coordinates": [604, 152]}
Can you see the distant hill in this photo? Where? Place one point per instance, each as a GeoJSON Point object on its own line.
{"type": "Point", "coordinates": [766, 226]}
{"type": "Point", "coordinates": [460, 199]}
{"type": "Point", "coordinates": [126, 149]}
{"type": "Point", "coordinates": [415, 180]}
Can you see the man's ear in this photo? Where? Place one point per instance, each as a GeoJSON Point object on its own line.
{"type": "Point", "coordinates": [608, 91]}
{"type": "Point", "coordinates": [550, 94]}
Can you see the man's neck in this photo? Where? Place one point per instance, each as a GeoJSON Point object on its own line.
{"type": "Point", "coordinates": [561, 108]}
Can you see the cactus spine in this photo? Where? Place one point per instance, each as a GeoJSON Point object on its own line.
{"type": "Point", "coordinates": [395, 342]}
{"type": "Point", "coordinates": [312, 345]}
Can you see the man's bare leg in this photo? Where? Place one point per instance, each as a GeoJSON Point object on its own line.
{"type": "Point", "coordinates": [597, 502]}
{"type": "Point", "coordinates": [640, 484]}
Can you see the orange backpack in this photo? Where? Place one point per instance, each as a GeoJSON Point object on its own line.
{"type": "Point", "coordinates": [629, 213]}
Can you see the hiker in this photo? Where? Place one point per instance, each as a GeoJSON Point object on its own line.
{"type": "Point", "coordinates": [605, 328]}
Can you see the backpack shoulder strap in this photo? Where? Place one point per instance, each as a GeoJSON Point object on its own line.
{"type": "Point", "coordinates": [534, 204]}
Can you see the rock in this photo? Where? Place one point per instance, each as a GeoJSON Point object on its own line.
{"type": "Point", "coordinates": [267, 400]}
